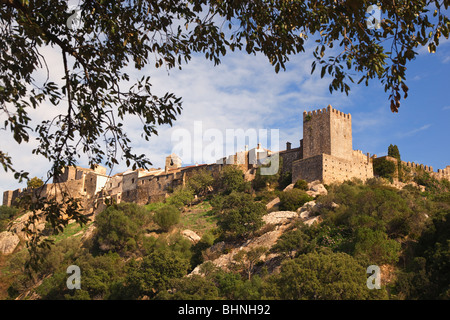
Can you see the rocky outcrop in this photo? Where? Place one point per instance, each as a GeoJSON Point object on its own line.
{"type": "Point", "coordinates": [8, 242]}
{"type": "Point", "coordinates": [280, 217]}
{"type": "Point", "coordinates": [190, 235]}
{"type": "Point", "coordinates": [273, 203]}
{"type": "Point", "coordinates": [316, 189]}
{"type": "Point", "coordinates": [18, 225]}
{"type": "Point", "coordinates": [281, 221]}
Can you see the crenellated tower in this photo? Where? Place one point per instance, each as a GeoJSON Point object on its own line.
{"type": "Point", "coordinates": [327, 131]}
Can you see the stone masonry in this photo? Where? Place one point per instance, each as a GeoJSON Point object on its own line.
{"type": "Point", "coordinates": [328, 154]}
{"type": "Point", "coordinates": [325, 154]}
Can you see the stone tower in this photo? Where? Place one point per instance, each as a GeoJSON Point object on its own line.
{"type": "Point", "coordinates": [172, 162]}
{"type": "Point", "coordinates": [327, 131]}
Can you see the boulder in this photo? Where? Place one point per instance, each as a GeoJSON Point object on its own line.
{"type": "Point", "coordinates": [191, 235]}
{"type": "Point", "coordinates": [273, 203]}
{"type": "Point", "coordinates": [308, 206]}
{"type": "Point", "coordinates": [8, 242]}
{"type": "Point", "coordinates": [313, 220]}
{"type": "Point", "coordinates": [289, 187]}
{"type": "Point", "coordinates": [317, 190]}
{"type": "Point", "coordinates": [279, 217]}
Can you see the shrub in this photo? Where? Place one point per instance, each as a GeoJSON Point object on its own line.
{"type": "Point", "coordinates": [284, 180]}
{"type": "Point", "coordinates": [376, 247]}
{"type": "Point", "coordinates": [201, 182]}
{"type": "Point", "coordinates": [232, 179]}
{"type": "Point", "coordinates": [384, 168]}
{"type": "Point", "coordinates": [119, 227]}
{"type": "Point", "coordinates": [301, 184]}
{"type": "Point", "coordinates": [35, 183]}
{"type": "Point", "coordinates": [240, 216]}
{"type": "Point", "coordinates": [181, 197]}
{"type": "Point", "coordinates": [6, 214]}
{"type": "Point", "coordinates": [293, 199]}
{"type": "Point", "coordinates": [166, 217]}
{"type": "Point", "coordinates": [325, 275]}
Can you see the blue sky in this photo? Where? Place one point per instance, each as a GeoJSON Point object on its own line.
{"type": "Point", "coordinates": [245, 92]}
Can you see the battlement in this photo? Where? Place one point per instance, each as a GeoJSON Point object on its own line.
{"type": "Point", "coordinates": [418, 166]}
{"type": "Point", "coordinates": [325, 111]}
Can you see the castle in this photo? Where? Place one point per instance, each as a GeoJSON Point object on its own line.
{"type": "Point", "coordinates": [325, 154]}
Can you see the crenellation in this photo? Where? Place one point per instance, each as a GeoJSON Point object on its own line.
{"type": "Point", "coordinates": [325, 153]}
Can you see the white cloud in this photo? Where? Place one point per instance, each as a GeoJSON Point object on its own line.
{"type": "Point", "coordinates": [414, 131]}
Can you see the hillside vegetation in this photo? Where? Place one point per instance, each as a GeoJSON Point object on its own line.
{"type": "Point", "coordinates": [213, 239]}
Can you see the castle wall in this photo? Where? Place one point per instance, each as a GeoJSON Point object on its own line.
{"type": "Point", "coordinates": [7, 198]}
{"type": "Point", "coordinates": [338, 170]}
{"type": "Point", "coordinates": [288, 157]}
{"type": "Point", "coordinates": [129, 186]}
{"type": "Point", "coordinates": [308, 169]}
{"type": "Point", "coordinates": [443, 173]}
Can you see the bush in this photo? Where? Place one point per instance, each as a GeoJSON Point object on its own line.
{"type": "Point", "coordinates": [301, 184]}
{"type": "Point", "coordinates": [232, 179]}
{"type": "Point", "coordinates": [293, 199]}
{"type": "Point", "coordinates": [261, 182]}
{"type": "Point", "coordinates": [201, 182]}
{"type": "Point", "coordinates": [284, 180]}
{"type": "Point", "coordinates": [35, 183]}
{"type": "Point", "coordinates": [151, 274]}
{"type": "Point", "coordinates": [181, 197]}
{"type": "Point", "coordinates": [120, 227]}
{"type": "Point", "coordinates": [324, 276]}
{"type": "Point", "coordinates": [239, 215]}
{"type": "Point", "coordinates": [376, 247]}
{"type": "Point", "coordinates": [166, 217]}
{"type": "Point", "coordinates": [384, 168]}
{"type": "Point", "coordinates": [6, 214]}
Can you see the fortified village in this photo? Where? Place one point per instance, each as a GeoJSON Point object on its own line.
{"type": "Point", "coordinates": [325, 154]}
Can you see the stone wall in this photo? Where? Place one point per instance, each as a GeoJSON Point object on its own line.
{"type": "Point", "coordinates": [338, 170]}
{"type": "Point", "coordinates": [327, 131]}
{"type": "Point", "coordinates": [7, 198]}
{"type": "Point", "coordinates": [341, 134]}
{"type": "Point", "coordinates": [309, 169]}
{"type": "Point", "coordinates": [288, 157]}
{"type": "Point", "coordinates": [316, 133]}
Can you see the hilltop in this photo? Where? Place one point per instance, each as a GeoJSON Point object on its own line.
{"type": "Point", "coordinates": [244, 240]}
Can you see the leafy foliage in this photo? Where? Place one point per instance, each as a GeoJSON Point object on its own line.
{"type": "Point", "coordinates": [239, 215]}
{"type": "Point", "coordinates": [301, 184]}
{"type": "Point", "coordinates": [232, 179]}
{"type": "Point", "coordinates": [384, 168]}
{"type": "Point", "coordinates": [35, 183]}
{"type": "Point", "coordinates": [152, 273]}
{"type": "Point", "coordinates": [120, 227]}
{"type": "Point", "coordinates": [181, 197]}
{"type": "Point", "coordinates": [323, 275]}
{"type": "Point", "coordinates": [6, 214]}
{"type": "Point", "coordinates": [166, 217]}
{"type": "Point", "coordinates": [201, 182]}
{"type": "Point", "coordinates": [293, 199]}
